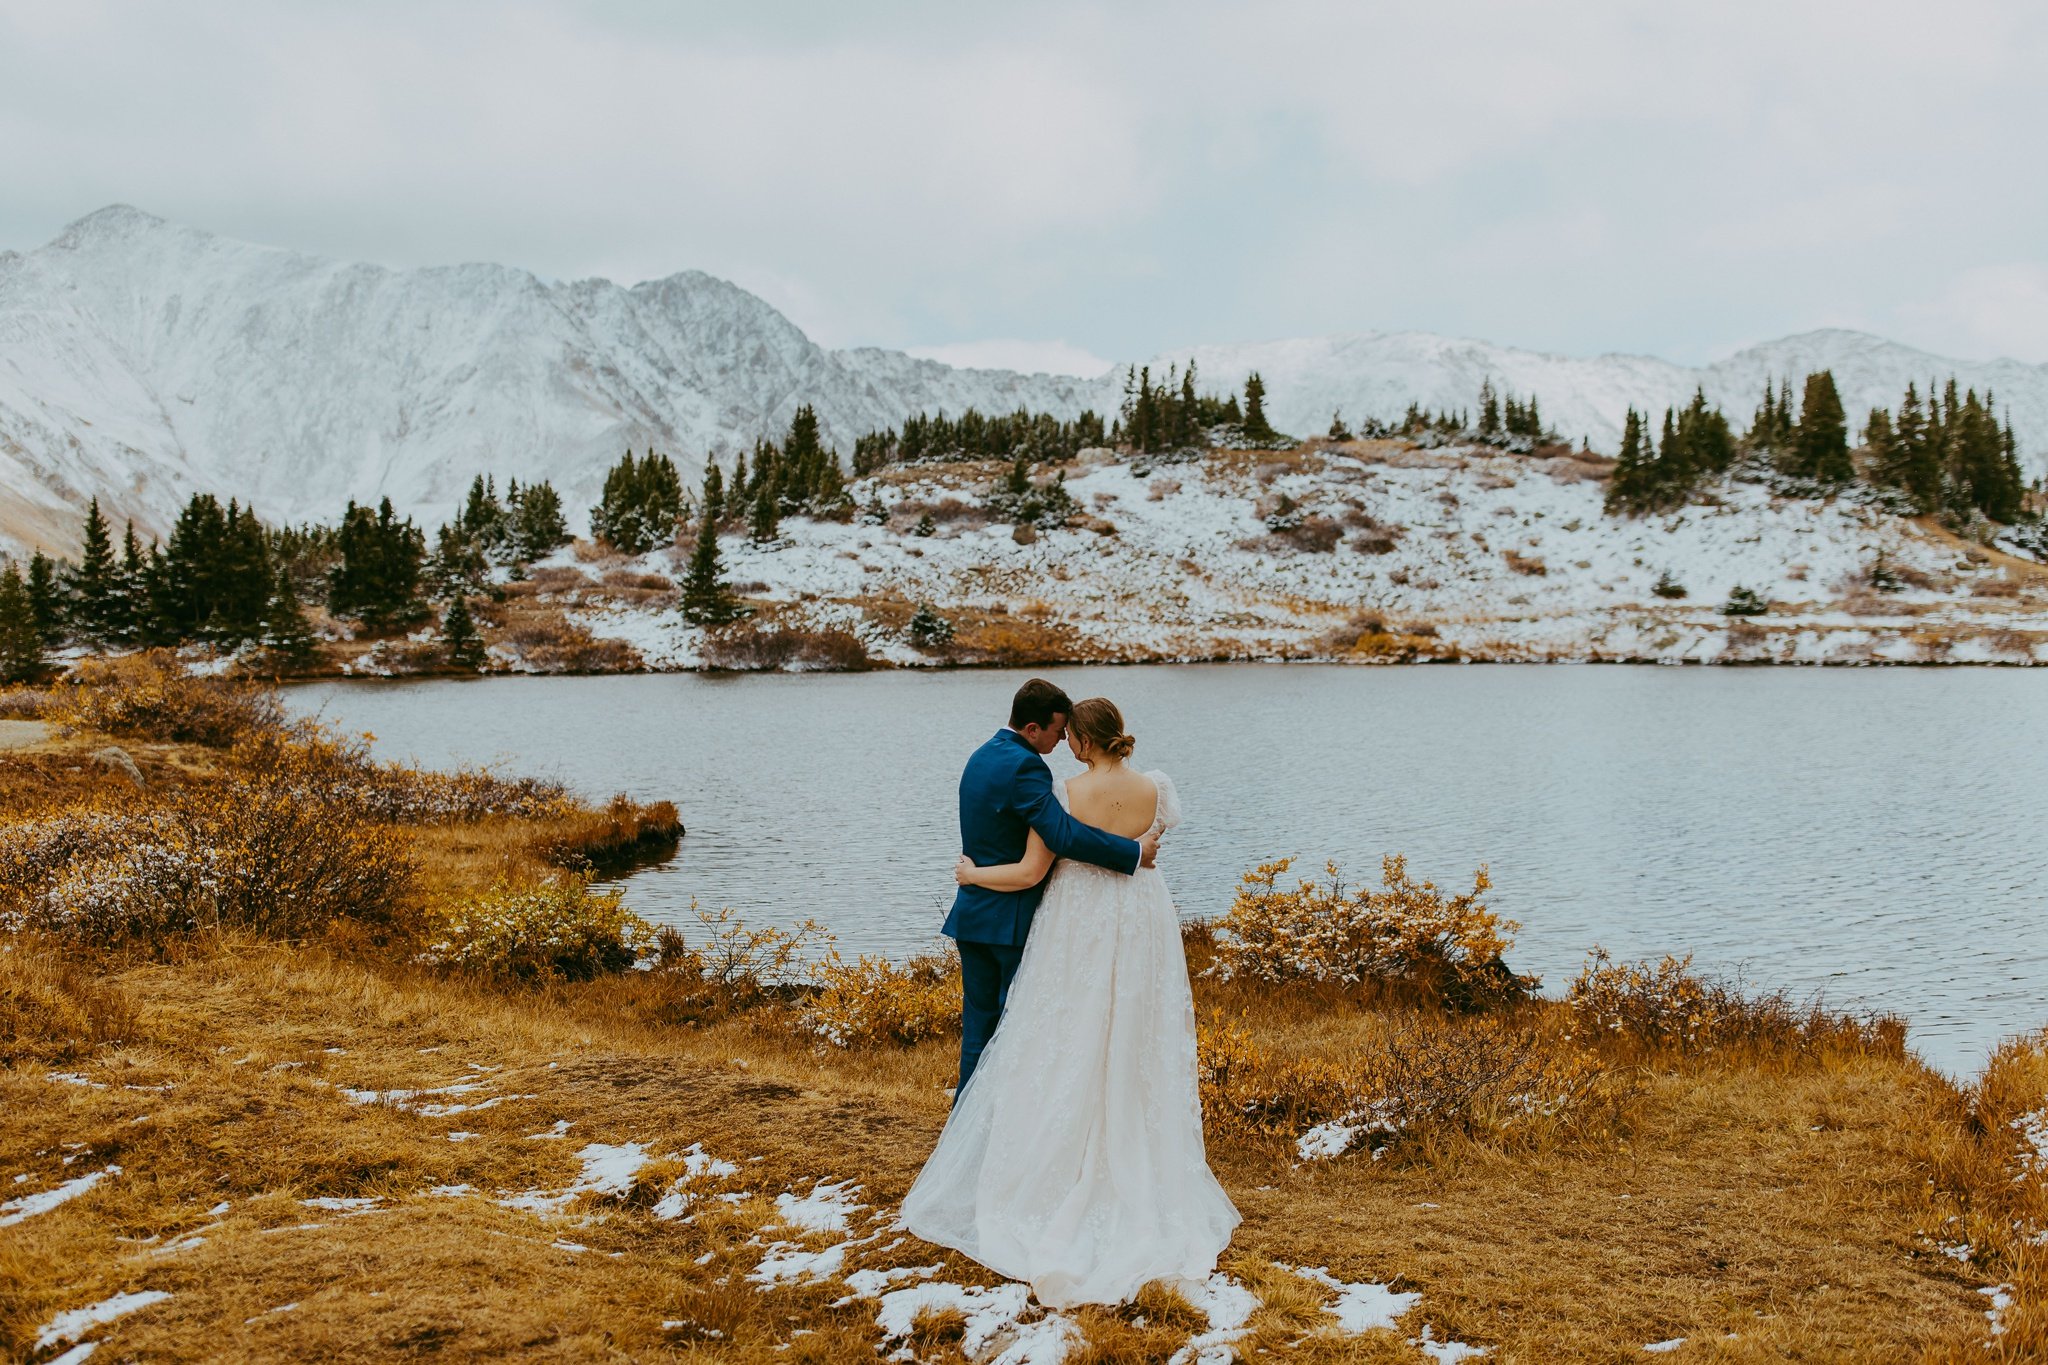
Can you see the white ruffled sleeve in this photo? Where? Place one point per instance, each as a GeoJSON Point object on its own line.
{"type": "Point", "coordinates": [1169, 800]}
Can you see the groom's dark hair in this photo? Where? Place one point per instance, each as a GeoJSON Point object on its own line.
{"type": "Point", "coordinates": [1036, 703]}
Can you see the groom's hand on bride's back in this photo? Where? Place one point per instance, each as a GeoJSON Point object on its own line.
{"type": "Point", "coordinates": [1148, 847]}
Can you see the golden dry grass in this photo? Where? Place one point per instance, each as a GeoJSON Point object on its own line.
{"type": "Point", "coordinates": [1766, 1201]}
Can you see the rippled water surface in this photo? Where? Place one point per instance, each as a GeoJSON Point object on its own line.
{"type": "Point", "coordinates": [1878, 835]}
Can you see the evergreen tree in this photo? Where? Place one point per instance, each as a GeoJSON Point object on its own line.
{"type": "Point", "coordinates": [712, 509]}
{"type": "Point", "coordinates": [45, 600]}
{"type": "Point", "coordinates": [1672, 474]}
{"type": "Point", "coordinates": [928, 629]}
{"type": "Point", "coordinates": [378, 578]}
{"type": "Point", "coordinates": [459, 637]}
{"type": "Point", "coordinates": [763, 525]}
{"type": "Point", "coordinates": [1489, 411]}
{"type": "Point", "coordinates": [538, 526]}
{"type": "Point", "coordinates": [243, 579]}
{"type": "Point", "coordinates": [1820, 445]}
{"type": "Point", "coordinates": [1338, 431]}
{"type": "Point", "coordinates": [129, 607]}
{"type": "Point", "coordinates": [184, 577]}
{"type": "Point", "coordinates": [641, 504]}
{"type": "Point", "coordinates": [738, 501]}
{"type": "Point", "coordinates": [95, 587]}
{"type": "Point", "coordinates": [1887, 464]}
{"type": "Point", "coordinates": [289, 643]}
{"type": "Point", "coordinates": [1257, 429]}
{"type": "Point", "coordinates": [1915, 463]}
{"type": "Point", "coordinates": [1634, 483]}
{"type": "Point", "coordinates": [1744, 602]}
{"type": "Point", "coordinates": [707, 601]}
{"type": "Point", "coordinates": [1704, 434]}
{"type": "Point", "coordinates": [21, 641]}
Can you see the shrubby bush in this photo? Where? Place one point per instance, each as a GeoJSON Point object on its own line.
{"type": "Point", "coordinates": [152, 696]}
{"type": "Point", "coordinates": [1408, 932]}
{"type": "Point", "coordinates": [1670, 1007]}
{"type": "Point", "coordinates": [245, 853]}
{"type": "Point", "coordinates": [749, 648]}
{"type": "Point", "coordinates": [873, 1001]}
{"type": "Point", "coordinates": [554, 930]}
{"type": "Point", "coordinates": [1418, 1071]}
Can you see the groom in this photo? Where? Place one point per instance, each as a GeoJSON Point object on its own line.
{"type": "Point", "coordinates": [1006, 791]}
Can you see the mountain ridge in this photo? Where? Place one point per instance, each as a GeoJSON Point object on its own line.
{"type": "Point", "coordinates": [142, 360]}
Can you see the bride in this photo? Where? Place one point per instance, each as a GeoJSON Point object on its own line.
{"type": "Point", "coordinates": [1073, 1160]}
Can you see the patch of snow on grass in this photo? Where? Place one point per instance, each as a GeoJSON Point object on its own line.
{"type": "Point", "coordinates": [2001, 1299]}
{"type": "Point", "coordinates": [72, 1078]}
{"type": "Point", "coordinates": [825, 1209]}
{"type": "Point", "coordinates": [607, 1170]}
{"type": "Point", "coordinates": [335, 1204]}
{"type": "Point", "coordinates": [1662, 1347]}
{"type": "Point", "coordinates": [1359, 1307]}
{"type": "Point", "coordinates": [990, 1313]}
{"type": "Point", "coordinates": [786, 1261]}
{"type": "Point", "coordinates": [1446, 1352]}
{"type": "Point", "coordinates": [75, 1323]}
{"type": "Point", "coordinates": [29, 1205]}
{"type": "Point", "coordinates": [871, 1284]}
{"type": "Point", "coordinates": [1228, 1306]}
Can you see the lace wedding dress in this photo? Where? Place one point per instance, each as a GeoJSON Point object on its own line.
{"type": "Point", "coordinates": [1074, 1159]}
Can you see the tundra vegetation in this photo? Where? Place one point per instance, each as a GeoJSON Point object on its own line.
{"type": "Point", "coordinates": [307, 1055]}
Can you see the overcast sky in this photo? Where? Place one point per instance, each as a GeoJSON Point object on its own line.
{"type": "Point", "coordinates": [1063, 184]}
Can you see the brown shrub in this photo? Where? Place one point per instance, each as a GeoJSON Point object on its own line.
{"type": "Point", "coordinates": [152, 696]}
{"type": "Point", "coordinates": [717, 967]}
{"type": "Point", "coordinates": [621, 835]}
{"type": "Point", "coordinates": [1447, 949]}
{"type": "Point", "coordinates": [1412, 1073]}
{"type": "Point", "coordinates": [1669, 1007]}
{"type": "Point", "coordinates": [560, 577]}
{"type": "Point", "coordinates": [948, 511]}
{"type": "Point", "coordinates": [555, 644]}
{"type": "Point", "coordinates": [873, 1001]}
{"type": "Point", "coordinates": [250, 852]}
{"type": "Point", "coordinates": [1373, 543]}
{"type": "Point", "coordinates": [1525, 564]}
{"type": "Point", "coordinates": [322, 768]}
{"type": "Point", "coordinates": [746, 647]}
{"type": "Point", "coordinates": [1348, 636]}
{"type": "Point", "coordinates": [558, 929]}
{"type": "Point", "coordinates": [1995, 587]}
{"type": "Point", "coordinates": [27, 703]}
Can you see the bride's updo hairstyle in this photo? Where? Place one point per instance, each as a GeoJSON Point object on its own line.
{"type": "Point", "coordinates": [1099, 722]}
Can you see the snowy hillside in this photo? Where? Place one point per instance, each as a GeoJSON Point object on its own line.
{"type": "Point", "coordinates": [141, 361]}
{"type": "Point", "coordinates": [1382, 552]}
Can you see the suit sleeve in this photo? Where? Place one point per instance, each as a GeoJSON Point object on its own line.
{"type": "Point", "coordinates": [1063, 834]}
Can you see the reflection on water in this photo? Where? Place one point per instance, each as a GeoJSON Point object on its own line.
{"type": "Point", "coordinates": [1874, 834]}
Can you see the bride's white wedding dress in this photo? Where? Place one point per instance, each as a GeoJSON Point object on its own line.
{"type": "Point", "coordinates": [1074, 1159]}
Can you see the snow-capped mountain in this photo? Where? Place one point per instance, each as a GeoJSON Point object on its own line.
{"type": "Point", "coordinates": [1377, 374]}
{"type": "Point", "coordinates": [141, 360]}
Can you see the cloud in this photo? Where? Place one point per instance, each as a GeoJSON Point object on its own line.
{"type": "Point", "coordinates": [1991, 311]}
{"type": "Point", "coordinates": [1582, 176]}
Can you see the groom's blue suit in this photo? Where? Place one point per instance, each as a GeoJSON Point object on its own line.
{"type": "Point", "coordinates": [1005, 792]}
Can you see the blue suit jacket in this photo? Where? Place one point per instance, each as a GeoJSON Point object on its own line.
{"type": "Point", "coordinates": [1005, 792]}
